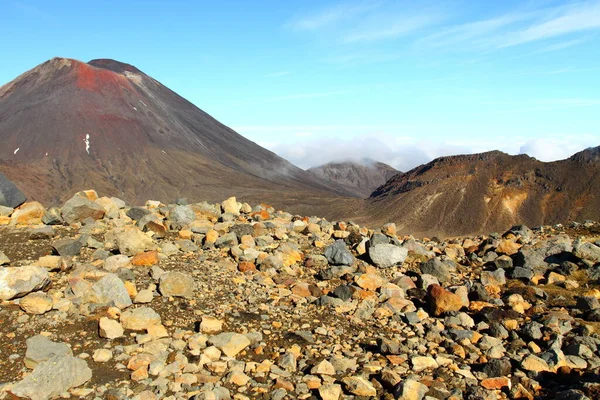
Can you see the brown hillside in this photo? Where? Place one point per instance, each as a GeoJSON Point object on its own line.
{"type": "Point", "coordinates": [490, 192]}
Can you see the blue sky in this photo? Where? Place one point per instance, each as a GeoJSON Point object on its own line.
{"type": "Point", "coordinates": [397, 81]}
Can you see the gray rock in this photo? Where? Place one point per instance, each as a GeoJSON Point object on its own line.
{"type": "Point", "coordinates": [338, 254]}
{"type": "Point", "coordinates": [52, 216]}
{"type": "Point", "coordinates": [521, 273]}
{"type": "Point", "coordinates": [230, 343]}
{"type": "Point", "coordinates": [17, 282]}
{"type": "Point", "coordinates": [410, 389]}
{"type": "Point", "coordinates": [10, 195]}
{"type": "Point", "coordinates": [378, 238]}
{"type": "Point", "coordinates": [387, 255]}
{"type": "Point", "coordinates": [109, 290]}
{"type": "Point", "coordinates": [181, 216]}
{"type": "Point", "coordinates": [137, 213]}
{"type": "Point", "coordinates": [344, 292]}
{"type": "Point", "coordinates": [493, 277]}
{"type": "Point", "coordinates": [242, 230]}
{"type": "Point", "coordinates": [130, 241]}
{"type": "Point", "coordinates": [46, 232]}
{"type": "Point", "coordinates": [418, 248]}
{"type": "Point", "coordinates": [227, 240]}
{"type": "Point", "coordinates": [4, 260]}
{"type": "Point", "coordinates": [544, 252]}
{"type": "Point", "coordinates": [78, 208]}
{"type": "Point", "coordinates": [520, 230]}
{"type": "Point", "coordinates": [438, 268]}
{"type": "Point", "coordinates": [68, 247]}
{"type": "Point", "coordinates": [53, 377]}
{"type": "Point", "coordinates": [497, 367]}
{"type": "Point", "coordinates": [177, 284]}
{"type": "Point", "coordinates": [587, 251]}
{"type": "Point", "coordinates": [40, 348]}
{"type": "Point", "coordinates": [6, 211]}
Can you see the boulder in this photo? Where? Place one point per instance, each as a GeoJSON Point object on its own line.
{"type": "Point", "coordinates": [36, 303]}
{"type": "Point", "coordinates": [17, 282]}
{"type": "Point", "coordinates": [139, 319]}
{"type": "Point", "coordinates": [230, 343]}
{"type": "Point", "coordinates": [110, 290]}
{"type": "Point", "coordinates": [177, 284]}
{"type": "Point", "coordinates": [10, 195]}
{"type": "Point", "coordinates": [79, 208]}
{"type": "Point", "coordinates": [40, 349]}
{"type": "Point", "coordinates": [387, 255]}
{"type": "Point", "coordinates": [53, 377]}
{"type": "Point", "coordinates": [338, 254]}
{"type": "Point", "coordinates": [442, 300]}
{"type": "Point", "coordinates": [438, 268]}
{"type": "Point", "coordinates": [30, 213]}
{"type": "Point", "coordinates": [130, 240]}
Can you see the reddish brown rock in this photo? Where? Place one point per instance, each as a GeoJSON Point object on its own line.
{"type": "Point", "coordinates": [442, 300]}
{"type": "Point", "coordinates": [246, 266]}
{"type": "Point", "coordinates": [495, 383]}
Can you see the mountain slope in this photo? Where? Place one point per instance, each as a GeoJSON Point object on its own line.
{"type": "Point", "coordinates": [490, 191]}
{"type": "Point", "coordinates": [360, 177]}
{"type": "Point", "coordinates": [67, 125]}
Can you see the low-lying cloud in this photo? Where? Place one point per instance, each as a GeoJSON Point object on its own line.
{"type": "Point", "coordinates": [404, 154]}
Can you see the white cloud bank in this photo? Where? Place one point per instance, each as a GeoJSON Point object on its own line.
{"type": "Point", "coordinates": [403, 153]}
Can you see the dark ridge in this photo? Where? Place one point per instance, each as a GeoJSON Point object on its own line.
{"type": "Point", "coordinates": [113, 65]}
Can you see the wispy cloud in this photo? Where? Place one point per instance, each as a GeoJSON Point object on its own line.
{"type": "Point", "coordinates": [331, 16]}
{"type": "Point", "coordinates": [34, 11]}
{"type": "Point", "coordinates": [580, 17]}
{"type": "Point", "coordinates": [471, 33]}
{"type": "Point", "coordinates": [563, 45]}
{"type": "Point", "coordinates": [278, 74]}
{"type": "Point", "coordinates": [296, 96]}
{"type": "Point", "coordinates": [383, 27]}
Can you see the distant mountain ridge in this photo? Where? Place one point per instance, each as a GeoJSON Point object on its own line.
{"type": "Point", "coordinates": [362, 177]}
{"type": "Point", "coordinates": [490, 191]}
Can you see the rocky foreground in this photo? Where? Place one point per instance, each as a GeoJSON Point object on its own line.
{"type": "Point", "coordinates": [105, 301]}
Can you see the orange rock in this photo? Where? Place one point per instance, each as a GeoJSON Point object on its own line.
{"type": "Point", "coordinates": [139, 374]}
{"type": "Point", "coordinates": [139, 361]}
{"type": "Point", "coordinates": [442, 300]}
{"type": "Point", "coordinates": [186, 234]}
{"type": "Point", "coordinates": [246, 266]}
{"type": "Point", "coordinates": [211, 236]}
{"type": "Point", "coordinates": [91, 194]}
{"type": "Point", "coordinates": [284, 384]}
{"type": "Point", "coordinates": [4, 220]}
{"type": "Point", "coordinates": [496, 383]}
{"type": "Point", "coordinates": [389, 229]}
{"type": "Point", "coordinates": [131, 289]}
{"type": "Point", "coordinates": [301, 289]}
{"type": "Point", "coordinates": [29, 213]}
{"type": "Point", "coordinates": [145, 259]}
{"type": "Point", "coordinates": [508, 247]}
{"type": "Point", "coordinates": [396, 360]}
{"type": "Point", "coordinates": [292, 257]}
{"type": "Point", "coordinates": [370, 281]}
{"type": "Point", "coordinates": [261, 215]}
{"type": "Point", "coordinates": [364, 294]}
